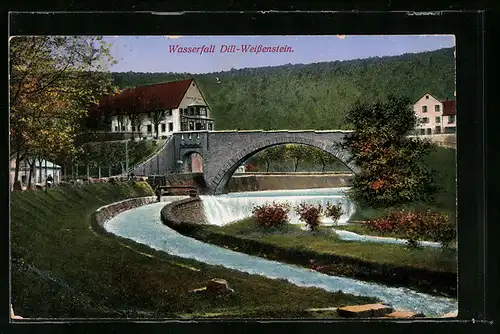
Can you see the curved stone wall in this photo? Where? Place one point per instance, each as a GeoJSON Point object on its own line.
{"type": "Point", "coordinates": [105, 213]}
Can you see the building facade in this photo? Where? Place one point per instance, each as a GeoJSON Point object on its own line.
{"type": "Point", "coordinates": [435, 116]}
{"type": "Point", "coordinates": [157, 110]}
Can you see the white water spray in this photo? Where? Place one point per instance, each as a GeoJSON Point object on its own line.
{"type": "Point", "coordinates": [225, 209]}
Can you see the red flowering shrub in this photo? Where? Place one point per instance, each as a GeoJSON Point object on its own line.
{"type": "Point", "coordinates": [310, 214]}
{"type": "Point", "coordinates": [334, 211]}
{"type": "Point", "coordinates": [273, 215]}
{"type": "Point", "coordinates": [250, 168]}
{"type": "Point", "coordinates": [416, 226]}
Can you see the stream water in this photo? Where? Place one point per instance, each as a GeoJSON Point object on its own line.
{"type": "Point", "coordinates": [143, 225]}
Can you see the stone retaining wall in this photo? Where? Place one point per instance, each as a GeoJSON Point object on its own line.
{"type": "Point", "coordinates": [184, 216]}
{"type": "Point", "coordinates": [107, 212]}
{"type": "Point", "coordinates": [288, 181]}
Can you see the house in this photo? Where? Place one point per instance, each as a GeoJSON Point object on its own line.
{"type": "Point", "coordinates": [435, 116]}
{"type": "Point", "coordinates": [165, 107]}
{"type": "Point", "coordinates": [41, 170]}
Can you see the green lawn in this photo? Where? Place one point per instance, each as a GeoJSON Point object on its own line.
{"type": "Point", "coordinates": [61, 267]}
{"type": "Point", "coordinates": [326, 242]}
{"type": "Point", "coordinates": [141, 150]}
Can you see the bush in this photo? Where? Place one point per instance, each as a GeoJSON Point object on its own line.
{"type": "Point", "coordinates": [273, 215]}
{"type": "Point", "coordinates": [334, 211]}
{"type": "Point", "coordinates": [416, 226]}
{"type": "Point", "coordinates": [310, 214]}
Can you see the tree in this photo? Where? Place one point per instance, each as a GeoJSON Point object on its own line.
{"type": "Point", "coordinates": [296, 153]}
{"type": "Point", "coordinates": [392, 172]}
{"type": "Point", "coordinates": [319, 156]}
{"type": "Point", "coordinates": [53, 80]}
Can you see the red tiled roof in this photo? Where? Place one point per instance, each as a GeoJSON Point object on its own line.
{"type": "Point", "coordinates": [142, 99]}
{"type": "Point", "coordinates": [449, 107]}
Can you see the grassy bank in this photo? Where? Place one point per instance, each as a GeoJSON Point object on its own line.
{"type": "Point", "coordinates": [428, 270]}
{"type": "Point", "coordinates": [62, 268]}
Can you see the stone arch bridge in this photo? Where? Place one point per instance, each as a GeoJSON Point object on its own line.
{"type": "Point", "coordinates": [224, 151]}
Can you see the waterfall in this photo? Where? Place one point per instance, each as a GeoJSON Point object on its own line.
{"type": "Point", "coordinates": [224, 209]}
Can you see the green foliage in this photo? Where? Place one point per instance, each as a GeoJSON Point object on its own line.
{"type": "Point", "coordinates": [294, 157]}
{"type": "Point", "coordinates": [312, 96]}
{"type": "Point", "coordinates": [53, 79]}
{"type": "Point", "coordinates": [392, 168]}
{"type": "Point", "coordinates": [416, 226]}
{"type": "Point", "coordinates": [334, 211]}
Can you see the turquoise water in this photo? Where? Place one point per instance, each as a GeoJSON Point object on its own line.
{"type": "Point", "coordinates": [143, 225]}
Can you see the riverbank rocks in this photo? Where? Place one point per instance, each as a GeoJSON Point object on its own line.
{"type": "Point", "coordinates": [404, 314]}
{"type": "Point", "coordinates": [215, 287]}
{"type": "Point", "coordinates": [365, 311]}
{"type": "Point", "coordinates": [450, 315]}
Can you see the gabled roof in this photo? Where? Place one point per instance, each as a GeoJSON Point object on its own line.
{"type": "Point", "coordinates": [423, 96]}
{"type": "Point", "coordinates": [167, 95]}
{"type": "Point", "coordinates": [449, 107]}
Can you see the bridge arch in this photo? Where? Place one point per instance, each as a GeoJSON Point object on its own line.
{"type": "Point", "coordinates": [192, 162]}
{"type": "Point", "coordinates": [235, 159]}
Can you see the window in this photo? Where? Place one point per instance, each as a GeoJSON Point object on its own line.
{"type": "Point", "coordinates": [422, 131]}
{"type": "Point", "coordinates": [116, 128]}
{"type": "Point", "coordinates": [168, 112]}
{"type": "Point", "coordinates": [424, 108]}
{"type": "Point", "coordinates": [133, 128]}
{"type": "Point", "coordinates": [191, 126]}
{"type": "Point", "coordinates": [451, 119]}
{"type": "Point", "coordinates": [437, 108]}
{"type": "Point", "coordinates": [163, 127]}
{"type": "Point", "coordinates": [123, 127]}
{"type": "Point", "coordinates": [429, 131]}
{"type": "Point", "coordinates": [150, 128]}
{"type": "Point", "coordinates": [200, 126]}
{"type": "Point", "coordinates": [184, 127]}
{"type": "Point", "coordinates": [438, 119]}
{"type": "Point", "coordinates": [170, 126]}
{"type": "Point", "coordinates": [425, 120]}
{"type": "Point", "coordinates": [438, 129]}
{"type": "Point", "coordinates": [203, 111]}
{"type": "Point", "coordinates": [210, 126]}
{"type": "Point", "coordinates": [427, 97]}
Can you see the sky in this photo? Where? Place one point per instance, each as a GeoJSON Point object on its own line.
{"type": "Point", "coordinates": [155, 53]}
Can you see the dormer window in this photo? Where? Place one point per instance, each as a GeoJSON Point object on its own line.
{"type": "Point", "coordinates": [427, 97]}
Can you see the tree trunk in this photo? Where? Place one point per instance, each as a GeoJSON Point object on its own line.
{"type": "Point", "coordinates": [99, 171]}
{"type": "Point", "coordinates": [77, 172]}
{"type": "Point", "coordinates": [323, 167]}
{"type": "Point", "coordinates": [88, 173]}
{"type": "Point", "coordinates": [32, 169]}
{"type": "Point", "coordinates": [295, 165]}
{"type": "Point", "coordinates": [109, 171]}
{"type": "Point", "coordinates": [267, 166]}
{"type": "Point", "coordinates": [40, 170]}
{"type": "Point", "coordinates": [17, 183]}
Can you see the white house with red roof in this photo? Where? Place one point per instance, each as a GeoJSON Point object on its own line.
{"type": "Point", "coordinates": [435, 116]}
{"type": "Point", "coordinates": [172, 106]}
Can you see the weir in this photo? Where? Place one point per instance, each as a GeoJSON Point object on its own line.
{"type": "Point", "coordinates": [224, 209]}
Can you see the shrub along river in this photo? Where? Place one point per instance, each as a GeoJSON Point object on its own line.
{"type": "Point", "coordinates": [143, 225]}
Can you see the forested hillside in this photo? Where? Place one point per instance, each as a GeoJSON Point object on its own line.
{"type": "Point", "coordinates": [314, 96]}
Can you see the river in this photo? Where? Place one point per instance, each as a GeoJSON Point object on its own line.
{"type": "Point", "coordinates": [144, 226]}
